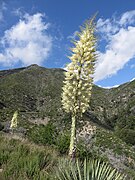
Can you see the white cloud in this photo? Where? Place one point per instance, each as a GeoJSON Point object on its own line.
{"type": "Point", "coordinates": [120, 47]}
{"type": "Point", "coordinates": [132, 66]}
{"type": "Point", "coordinates": [73, 36]}
{"type": "Point", "coordinates": [115, 86]}
{"type": "Point", "coordinates": [128, 18]}
{"type": "Point", "coordinates": [110, 87]}
{"type": "Point", "coordinates": [18, 12]}
{"type": "Point", "coordinates": [1, 16]}
{"type": "Point", "coordinates": [107, 26]}
{"type": "Point", "coordinates": [26, 42]}
{"type": "Point", "coordinates": [2, 9]}
{"type": "Point", "coordinates": [133, 79]}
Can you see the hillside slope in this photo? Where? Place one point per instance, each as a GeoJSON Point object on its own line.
{"type": "Point", "coordinates": [36, 93]}
{"type": "Point", "coordinates": [37, 89]}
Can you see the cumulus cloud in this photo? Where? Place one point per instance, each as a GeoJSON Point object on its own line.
{"type": "Point", "coordinates": [27, 42]}
{"type": "Point", "coordinates": [128, 18]}
{"type": "Point", "coordinates": [2, 9]}
{"type": "Point", "coordinates": [120, 44]}
{"type": "Point", "coordinates": [107, 27]}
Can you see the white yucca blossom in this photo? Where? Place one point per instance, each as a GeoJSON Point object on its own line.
{"type": "Point", "coordinates": [14, 121]}
{"type": "Point", "coordinates": [78, 78]}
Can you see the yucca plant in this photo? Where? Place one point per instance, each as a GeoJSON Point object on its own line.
{"type": "Point", "coordinates": [88, 170]}
{"type": "Point", "coordinates": [14, 121]}
{"type": "Point", "coordinates": [78, 78]}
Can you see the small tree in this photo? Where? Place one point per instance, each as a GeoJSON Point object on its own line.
{"type": "Point", "coordinates": [78, 78]}
{"type": "Point", "coordinates": [14, 121]}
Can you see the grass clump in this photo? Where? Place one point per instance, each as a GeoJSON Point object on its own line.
{"type": "Point", "coordinates": [25, 161]}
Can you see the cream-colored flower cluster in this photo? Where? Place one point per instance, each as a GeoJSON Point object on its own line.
{"type": "Point", "coordinates": [78, 78]}
{"type": "Point", "coordinates": [14, 120]}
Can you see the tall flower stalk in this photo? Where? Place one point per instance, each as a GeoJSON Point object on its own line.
{"type": "Point", "coordinates": [78, 78]}
{"type": "Point", "coordinates": [14, 121]}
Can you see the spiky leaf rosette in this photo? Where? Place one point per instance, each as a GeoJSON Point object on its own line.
{"type": "Point", "coordinates": [90, 169]}
{"type": "Point", "coordinates": [78, 78]}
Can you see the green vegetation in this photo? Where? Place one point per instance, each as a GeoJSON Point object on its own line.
{"type": "Point", "coordinates": [36, 93]}
{"type": "Point", "coordinates": [62, 142]}
{"type": "Point", "coordinates": [88, 170]}
{"type": "Point", "coordinates": [20, 160]}
{"type": "Point", "coordinates": [28, 157]}
{"type": "Point", "coordinates": [41, 134]}
{"type": "Point", "coordinates": [107, 140]}
{"type": "Point", "coordinates": [125, 129]}
{"type": "Point", "coordinates": [24, 160]}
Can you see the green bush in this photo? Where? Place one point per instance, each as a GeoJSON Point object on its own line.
{"type": "Point", "coordinates": [126, 122]}
{"type": "Point", "coordinates": [127, 135]}
{"type": "Point", "coordinates": [41, 134]}
{"type": "Point", "coordinates": [62, 142]}
{"type": "Point", "coordinates": [82, 151]}
{"type": "Point", "coordinates": [1, 127]}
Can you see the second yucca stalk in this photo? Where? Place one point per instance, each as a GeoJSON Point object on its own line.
{"type": "Point", "coordinates": [14, 121]}
{"type": "Point", "coordinates": [78, 78]}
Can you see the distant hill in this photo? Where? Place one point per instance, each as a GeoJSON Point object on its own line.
{"type": "Point", "coordinates": [36, 93]}
{"type": "Point", "coordinates": [37, 89]}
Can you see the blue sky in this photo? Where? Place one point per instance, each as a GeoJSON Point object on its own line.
{"type": "Point", "coordinates": [40, 31]}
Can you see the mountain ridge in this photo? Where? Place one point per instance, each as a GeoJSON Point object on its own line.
{"type": "Point", "coordinates": [38, 77]}
{"type": "Point", "coordinates": [36, 93]}
{"type": "Point", "coordinates": [15, 70]}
